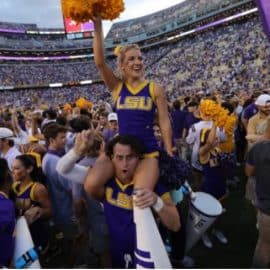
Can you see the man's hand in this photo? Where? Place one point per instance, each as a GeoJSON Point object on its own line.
{"type": "Point", "coordinates": [83, 142]}
{"type": "Point", "coordinates": [171, 152]}
{"type": "Point", "coordinates": [144, 198]}
{"type": "Point", "coordinates": [32, 214]}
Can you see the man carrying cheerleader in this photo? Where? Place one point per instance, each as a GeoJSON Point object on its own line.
{"type": "Point", "coordinates": [117, 194]}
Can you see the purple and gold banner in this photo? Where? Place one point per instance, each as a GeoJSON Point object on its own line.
{"type": "Point", "coordinates": [264, 9]}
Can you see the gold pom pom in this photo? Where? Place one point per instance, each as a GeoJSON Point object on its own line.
{"type": "Point", "coordinates": [228, 145]}
{"type": "Point", "coordinates": [208, 108]}
{"type": "Point", "coordinates": [82, 103]}
{"type": "Point", "coordinates": [84, 10]}
{"type": "Point", "coordinates": [67, 107]}
{"type": "Point", "coordinates": [221, 117]}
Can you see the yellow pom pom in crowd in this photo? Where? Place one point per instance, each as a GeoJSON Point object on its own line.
{"type": "Point", "coordinates": [210, 110]}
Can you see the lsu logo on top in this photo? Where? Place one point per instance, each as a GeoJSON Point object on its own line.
{"type": "Point", "coordinates": [134, 103]}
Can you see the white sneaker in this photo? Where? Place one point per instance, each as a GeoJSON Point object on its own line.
{"type": "Point", "coordinates": [220, 236]}
{"type": "Point", "coordinates": [206, 241]}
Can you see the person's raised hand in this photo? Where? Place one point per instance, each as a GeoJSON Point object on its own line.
{"type": "Point", "coordinates": [84, 140]}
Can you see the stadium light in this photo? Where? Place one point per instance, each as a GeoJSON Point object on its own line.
{"type": "Point", "coordinates": [241, 14]}
{"type": "Point", "coordinates": [55, 85]}
{"type": "Point", "coordinates": [200, 28]}
{"type": "Point", "coordinates": [86, 82]}
{"type": "Point", "coordinates": [51, 32]}
{"type": "Point", "coordinates": [187, 33]}
{"type": "Point", "coordinates": [80, 56]}
{"type": "Point", "coordinates": [32, 32]}
{"type": "Point", "coordinates": [181, 34]}
{"type": "Point", "coordinates": [6, 87]}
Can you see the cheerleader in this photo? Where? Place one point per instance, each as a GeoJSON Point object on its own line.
{"type": "Point", "coordinates": [213, 177]}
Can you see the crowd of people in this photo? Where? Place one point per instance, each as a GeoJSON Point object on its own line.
{"type": "Point", "coordinates": [60, 96]}
{"type": "Point", "coordinates": [40, 74]}
{"type": "Point", "coordinates": [82, 164]}
{"type": "Point", "coordinates": [82, 173]}
{"type": "Point", "coordinates": [46, 184]}
{"type": "Point", "coordinates": [10, 40]}
{"type": "Point", "coordinates": [18, 26]}
{"type": "Point", "coordinates": [186, 9]}
{"type": "Point", "coordinates": [230, 58]}
{"type": "Point", "coordinates": [41, 42]}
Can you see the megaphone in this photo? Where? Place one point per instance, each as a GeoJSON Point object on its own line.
{"type": "Point", "coordinates": [150, 250]}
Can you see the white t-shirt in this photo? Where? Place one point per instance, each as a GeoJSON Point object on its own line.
{"type": "Point", "coordinates": [21, 138]}
{"type": "Point", "coordinates": [194, 138]}
{"type": "Point", "coordinates": [10, 155]}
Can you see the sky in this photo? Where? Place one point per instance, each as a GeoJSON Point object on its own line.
{"type": "Point", "coordinates": [47, 13]}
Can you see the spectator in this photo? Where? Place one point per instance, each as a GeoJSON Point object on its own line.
{"type": "Point", "coordinates": [125, 152]}
{"type": "Point", "coordinates": [213, 178]}
{"type": "Point", "coordinates": [31, 198]}
{"type": "Point", "coordinates": [255, 129]}
{"type": "Point", "coordinates": [8, 150]}
{"type": "Point", "coordinates": [258, 165]}
{"type": "Point", "coordinates": [7, 216]}
{"type": "Point", "coordinates": [63, 194]}
{"type": "Point", "coordinates": [112, 129]}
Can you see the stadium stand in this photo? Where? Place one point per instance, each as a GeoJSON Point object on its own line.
{"type": "Point", "coordinates": [232, 56]}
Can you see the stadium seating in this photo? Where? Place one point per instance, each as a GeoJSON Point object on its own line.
{"type": "Point", "coordinates": [230, 57]}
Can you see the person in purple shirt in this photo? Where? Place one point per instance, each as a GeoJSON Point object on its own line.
{"type": "Point", "coordinates": [192, 117]}
{"type": "Point", "coordinates": [178, 118]}
{"type": "Point", "coordinates": [112, 129]}
{"type": "Point", "coordinates": [250, 110]}
{"type": "Point", "coordinates": [117, 196]}
{"type": "Point", "coordinates": [7, 216]}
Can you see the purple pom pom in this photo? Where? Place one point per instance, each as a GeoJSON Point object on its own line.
{"type": "Point", "coordinates": [174, 171]}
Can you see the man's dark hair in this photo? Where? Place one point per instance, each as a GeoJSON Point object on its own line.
{"type": "Point", "coordinates": [176, 105]}
{"type": "Point", "coordinates": [104, 114]}
{"type": "Point", "coordinates": [85, 112]}
{"type": "Point", "coordinates": [256, 93]}
{"type": "Point", "coordinates": [11, 142]}
{"type": "Point", "coordinates": [80, 123]}
{"type": "Point", "coordinates": [131, 141]}
{"type": "Point", "coordinates": [61, 120]}
{"type": "Point", "coordinates": [50, 114]}
{"type": "Point", "coordinates": [52, 130]}
{"type": "Point", "coordinates": [193, 104]}
{"type": "Point", "coordinates": [4, 172]}
{"type": "Point", "coordinates": [247, 103]}
{"type": "Point", "coordinates": [228, 106]}
{"type": "Point", "coordinates": [186, 100]}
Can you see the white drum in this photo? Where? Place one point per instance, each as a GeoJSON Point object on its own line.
{"type": "Point", "coordinates": [203, 211]}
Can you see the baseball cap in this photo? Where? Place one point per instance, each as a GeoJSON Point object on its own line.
{"type": "Point", "coordinates": [112, 117]}
{"type": "Point", "coordinates": [262, 100]}
{"type": "Point", "coordinates": [6, 133]}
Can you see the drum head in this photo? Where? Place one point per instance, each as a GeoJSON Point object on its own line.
{"type": "Point", "coordinates": [207, 204]}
